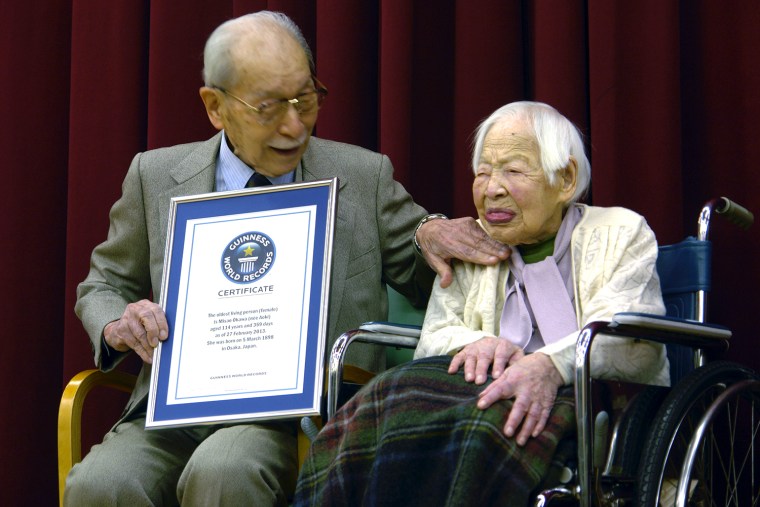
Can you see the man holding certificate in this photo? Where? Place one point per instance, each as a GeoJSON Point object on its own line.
{"type": "Point", "coordinates": [262, 95]}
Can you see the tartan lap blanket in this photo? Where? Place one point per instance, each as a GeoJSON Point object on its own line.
{"type": "Point", "coordinates": [414, 436]}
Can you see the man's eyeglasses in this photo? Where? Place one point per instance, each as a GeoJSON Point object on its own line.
{"type": "Point", "coordinates": [273, 109]}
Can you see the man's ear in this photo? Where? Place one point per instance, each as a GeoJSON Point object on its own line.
{"type": "Point", "coordinates": [213, 104]}
{"type": "Point", "coordinates": [569, 179]}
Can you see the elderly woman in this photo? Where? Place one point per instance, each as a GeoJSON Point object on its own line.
{"type": "Point", "coordinates": [480, 416]}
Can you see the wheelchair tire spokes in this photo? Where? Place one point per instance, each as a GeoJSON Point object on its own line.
{"type": "Point", "coordinates": [730, 449]}
{"type": "Point", "coordinates": [674, 428]}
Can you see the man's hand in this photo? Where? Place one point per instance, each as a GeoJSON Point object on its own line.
{"type": "Point", "coordinates": [140, 328]}
{"type": "Point", "coordinates": [461, 238]}
{"type": "Point", "coordinates": [533, 382]}
{"type": "Point", "coordinates": [478, 356]}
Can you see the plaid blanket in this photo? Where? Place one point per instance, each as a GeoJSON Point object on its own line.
{"type": "Point", "coordinates": [413, 436]}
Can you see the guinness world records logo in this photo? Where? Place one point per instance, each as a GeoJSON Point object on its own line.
{"type": "Point", "coordinates": [248, 257]}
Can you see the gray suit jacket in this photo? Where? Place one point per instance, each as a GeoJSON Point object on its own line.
{"type": "Point", "coordinates": [375, 222]}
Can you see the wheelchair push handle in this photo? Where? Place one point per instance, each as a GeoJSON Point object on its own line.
{"type": "Point", "coordinates": [734, 212]}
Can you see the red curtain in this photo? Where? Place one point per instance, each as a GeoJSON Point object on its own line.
{"type": "Point", "coordinates": [665, 92]}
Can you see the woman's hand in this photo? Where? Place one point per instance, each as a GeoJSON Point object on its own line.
{"type": "Point", "coordinates": [478, 356]}
{"type": "Point", "coordinates": [533, 382]}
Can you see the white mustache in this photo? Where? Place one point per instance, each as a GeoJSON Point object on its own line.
{"type": "Point", "coordinates": [290, 146]}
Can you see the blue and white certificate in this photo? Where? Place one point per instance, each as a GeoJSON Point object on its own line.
{"type": "Point", "coordinates": [245, 291]}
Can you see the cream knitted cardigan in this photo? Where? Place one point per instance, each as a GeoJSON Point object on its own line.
{"type": "Point", "coordinates": [614, 254]}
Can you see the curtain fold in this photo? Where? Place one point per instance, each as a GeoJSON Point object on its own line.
{"type": "Point", "coordinates": [666, 94]}
{"type": "Point", "coordinates": [346, 56]}
{"type": "Point", "coordinates": [634, 89]}
{"type": "Point", "coordinates": [107, 126]}
{"type": "Point", "coordinates": [34, 144]}
{"type": "Point", "coordinates": [395, 78]}
{"type": "Point", "coordinates": [490, 70]}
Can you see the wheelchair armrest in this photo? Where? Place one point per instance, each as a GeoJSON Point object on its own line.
{"type": "Point", "coordinates": [637, 326]}
{"type": "Point", "coordinates": [393, 330]}
{"type": "Point", "coordinates": [681, 329]}
{"type": "Point", "coordinates": [378, 333]}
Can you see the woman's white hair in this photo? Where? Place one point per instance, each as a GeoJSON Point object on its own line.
{"type": "Point", "coordinates": [218, 65]}
{"type": "Point", "coordinates": [558, 140]}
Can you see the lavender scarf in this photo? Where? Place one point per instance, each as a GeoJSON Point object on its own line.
{"type": "Point", "coordinates": [538, 307]}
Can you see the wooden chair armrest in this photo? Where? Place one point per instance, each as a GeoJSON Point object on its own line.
{"type": "Point", "coordinates": [356, 375]}
{"type": "Point", "coordinates": [70, 415]}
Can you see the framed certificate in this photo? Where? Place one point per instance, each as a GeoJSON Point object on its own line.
{"type": "Point", "coordinates": [245, 291]}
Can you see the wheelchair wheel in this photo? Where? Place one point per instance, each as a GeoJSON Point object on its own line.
{"type": "Point", "coordinates": [629, 434]}
{"type": "Point", "coordinates": [732, 452]}
{"type": "Point", "coordinates": [722, 465]}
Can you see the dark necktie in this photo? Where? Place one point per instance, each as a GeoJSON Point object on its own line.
{"type": "Point", "coordinates": [257, 180]}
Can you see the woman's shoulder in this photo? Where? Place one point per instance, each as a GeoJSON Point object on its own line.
{"type": "Point", "coordinates": [468, 274]}
{"type": "Point", "coordinates": [609, 216]}
{"type": "Point", "coordinates": [613, 226]}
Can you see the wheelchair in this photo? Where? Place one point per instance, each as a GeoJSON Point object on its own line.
{"type": "Point", "coordinates": [692, 444]}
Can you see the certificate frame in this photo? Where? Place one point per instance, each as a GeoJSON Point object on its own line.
{"type": "Point", "coordinates": [246, 339]}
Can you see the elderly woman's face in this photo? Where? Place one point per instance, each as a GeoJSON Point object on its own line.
{"type": "Point", "coordinates": [515, 203]}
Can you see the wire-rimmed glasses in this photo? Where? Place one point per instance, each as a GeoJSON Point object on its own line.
{"type": "Point", "coordinates": [271, 110]}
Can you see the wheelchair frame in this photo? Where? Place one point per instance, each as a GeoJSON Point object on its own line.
{"type": "Point", "coordinates": [732, 384]}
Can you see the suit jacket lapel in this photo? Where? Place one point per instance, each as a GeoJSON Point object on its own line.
{"type": "Point", "coordinates": [196, 174]}
{"type": "Point", "coordinates": [317, 164]}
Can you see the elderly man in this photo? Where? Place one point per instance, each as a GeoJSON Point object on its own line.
{"type": "Point", "coordinates": [261, 93]}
